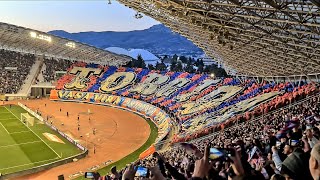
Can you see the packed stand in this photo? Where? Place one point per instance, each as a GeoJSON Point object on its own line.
{"type": "Point", "coordinates": [53, 65]}
{"type": "Point", "coordinates": [14, 67]}
{"type": "Point", "coordinates": [273, 147]}
{"type": "Point", "coordinates": [281, 145]}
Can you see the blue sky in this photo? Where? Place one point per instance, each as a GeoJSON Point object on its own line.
{"type": "Point", "coordinates": [72, 16]}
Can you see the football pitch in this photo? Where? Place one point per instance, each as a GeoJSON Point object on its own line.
{"type": "Point", "coordinates": [24, 147]}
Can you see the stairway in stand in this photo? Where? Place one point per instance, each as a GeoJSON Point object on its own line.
{"type": "Point", "coordinates": [34, 72]}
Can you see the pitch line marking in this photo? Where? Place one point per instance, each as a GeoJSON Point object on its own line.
{"type": "Point", "coordinates": [5, 119]}
{"type": "Point", "coordinates": [19, 144]}
{"type": "Point", "coordinates": [8, 118]}
{"type": "Point", "coordinates": [33, 163]}
{"type": "Point", "coordinates": [34, 133]}
{"type": "Point", "coordinates": [19, 132]}
{"type": "Point", "coordinates": [4, 128]}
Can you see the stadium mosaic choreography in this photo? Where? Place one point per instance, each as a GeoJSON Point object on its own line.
{"type": "Point", "coordinates": [73, 111]}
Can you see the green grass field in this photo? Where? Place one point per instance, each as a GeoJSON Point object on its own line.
{"type": "Point", "coordinates": [24, 147]}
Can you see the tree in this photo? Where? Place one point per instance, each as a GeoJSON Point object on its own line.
{"type": "Point", "coordinates": [213, 69]}
{"type": "Point", "coordinates": [179, 67]}
{"type": "Point", "coordinates": [140, 62]}
{"type": "Point", "coordinates": [173, 65]}
{"type": "Point", "coordinates": [161, 66]}
{"type": "Point", "coordinates": [201, 63]}
{"type": "Point", "coordinates": [175, 57]}
{"type": "Point", "coordinates": [189, 68]}
{"type": "Point", "coordinates": [150, 67]}
{"type": "Point", "coordinates": [197, 62]}
{"type": "Point", "coordinates": [183, 59]}
{"type": "Point", "coordinates": [129, 64]}
{"type": "Point", "coordinates": [200, 68]}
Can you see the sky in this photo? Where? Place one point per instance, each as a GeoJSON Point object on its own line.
{"type": "Point", "coordinates": [72, 15]}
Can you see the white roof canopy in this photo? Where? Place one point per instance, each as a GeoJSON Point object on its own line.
{"type": "Point", "coordinates": [40, 43]}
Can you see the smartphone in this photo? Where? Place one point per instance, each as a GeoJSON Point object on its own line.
{"type": "Point", "coordinates": [221, 153]}
{"type": "Point", "coordinates": [278, 143]}
{"type": "Point", "coordinates": [294, 142]}
{"type": "Point", "coordinates": [89, 175]}
{"type": "Point", "coordinates": [142, 171]}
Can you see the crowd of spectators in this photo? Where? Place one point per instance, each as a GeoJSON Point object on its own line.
{"type": "Point", "coordinates": [280, 145]}
{"type": "Point", "coordinates": [14, 68]}
{"type": "Point", "coordinates": [53, 65]}
{"type": "Point", "coordinates": [277, 146]}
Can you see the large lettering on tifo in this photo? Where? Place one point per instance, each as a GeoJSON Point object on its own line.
{"type": "Point", "coordinates": [150, 85]}
{"type": "Point", "coordinates": [82, 77]}
{"type": "Point", "coordinates": [193, 125]}
{"type": "Point", "coordinates": [117, 81]}
{"type": "Point", "coordinates": [172, 87]}
{"type": "Point", "coordinates": [203, 85]}
{"type": "Point", "coordinates": [211, 100]}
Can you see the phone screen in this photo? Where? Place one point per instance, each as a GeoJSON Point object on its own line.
{"type": "Point", "coordinates": [89, 175]}
{"type": "Point", "coordinates": [142, 171]}
{"type": "Point", "coordinates": [294, 142]}
{"type": "Point", "coordinates": [215, 153]}
{"type": "Point", "coordinates": [278, 143]}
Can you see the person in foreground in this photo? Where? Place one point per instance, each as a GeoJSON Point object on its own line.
{"type": "Point", "coordinates": [314, 162]}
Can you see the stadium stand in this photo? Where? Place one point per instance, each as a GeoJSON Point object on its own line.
{"type": "Point", "coordinates": [14, 69]}
{"type": "Point", "coordinates": [266, 129]}
{"type": "Point", "coordinates": [51, 66]}
{"type": "Point", "coordinates": [275, 147]}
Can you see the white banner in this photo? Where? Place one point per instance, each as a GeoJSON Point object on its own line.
{"type": "Point", "coordinates": [11, 68]}
{"type": "Point", "coordinates": [30, 111]}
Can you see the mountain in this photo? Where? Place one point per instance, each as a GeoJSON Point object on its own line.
{"type": "Point", "coordinates": [158, 39]}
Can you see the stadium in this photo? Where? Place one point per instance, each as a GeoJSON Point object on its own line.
{"type": "Point", "coordinates": [69, 110]}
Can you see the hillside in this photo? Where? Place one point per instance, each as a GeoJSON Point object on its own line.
{"type": "Point", "coordinates": [158, 39]}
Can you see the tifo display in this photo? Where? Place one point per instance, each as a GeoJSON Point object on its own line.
{"type": "Point", "coordinates": [196, 103]}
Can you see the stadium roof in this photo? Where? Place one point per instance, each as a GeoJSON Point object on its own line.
{"type": "Point", "coordinates": [254, 37]}
{"type": "Point", "coordinates": [32, 41]}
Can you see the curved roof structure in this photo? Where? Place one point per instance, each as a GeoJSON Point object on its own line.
{"type": "Point", "coordinates": [256, 38]}
{"type": "Point", "coordinates": [32, 41]}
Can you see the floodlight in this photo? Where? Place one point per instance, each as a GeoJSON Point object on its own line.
{"type": "Point", "coordinates": [33, 34]}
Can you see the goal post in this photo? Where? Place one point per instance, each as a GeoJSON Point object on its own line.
{"type": "Point", "coordinates": [26, 118]}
